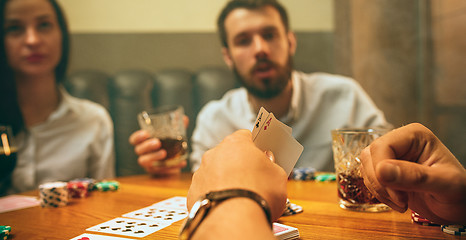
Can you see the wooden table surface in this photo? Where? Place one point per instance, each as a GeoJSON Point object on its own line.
{"type": "Point", "coordinates": [322, 217]}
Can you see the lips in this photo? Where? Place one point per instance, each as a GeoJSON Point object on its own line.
{"type": "Point", "coordinates": [35, 58]}
{"type": "Point", "coordinates": [263, 69]}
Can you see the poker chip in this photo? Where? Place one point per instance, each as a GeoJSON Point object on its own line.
{"type": "Point", "coordinates": [77, 189]}
{"type": "Point", "coordinates": [416, 218]}
{"type": "Point", "coordinates": [457, 230]}
{"type": "Point", "coordinates": [303, 174]}
{"type": "Point", "coordinates": [291, 208]}
{"type": "Point", "coordinates": [53, 194]}
{"type": "Point", "coordinates": [4, 232]}
{"type": "Point", "coordinates": [425, 223]}
{"type": "Point", "coordinates": [326, 177]}
{"type": "Point", "coordinates": [90, 182]}
{"type": "Point", "coordinates": [105, 186]}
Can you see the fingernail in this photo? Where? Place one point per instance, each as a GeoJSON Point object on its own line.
{"type": "Point", "coordinates": [269, 154]}
{"type": "Point", "coordinates": [388, 172]}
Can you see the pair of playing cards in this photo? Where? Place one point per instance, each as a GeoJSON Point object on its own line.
{"type": "Point", "coordinates": [141, 222]}
{"type": "Point", "coordinates": [270, 134]}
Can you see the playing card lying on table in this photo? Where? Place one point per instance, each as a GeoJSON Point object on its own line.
{"type": "Point", "coordinates": [270, 134]}
{"type": "Point", "coordinates": [129, 227]}
{"type": "Point", "coordinates": [284, 232]}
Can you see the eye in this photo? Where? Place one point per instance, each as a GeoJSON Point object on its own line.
{"type": "Point", "coordinates": [244, 41]}
{"type": "Point", "coordinates": [268, 35]}
{"type": "Point", "coordinates": [44, 25]}
{"type": "Point", "coordinates": [13, 29]}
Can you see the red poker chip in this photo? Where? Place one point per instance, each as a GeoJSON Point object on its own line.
{"type": "Point", "coordinates": [418, 219]}
{"type": "Point", "coordinates": [78, 189]}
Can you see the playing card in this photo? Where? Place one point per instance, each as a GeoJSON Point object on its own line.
{"type": "Point", "coordinates": [87, 236]}
{"type": "Point", "coordinates": [174, 202]}
{"type": "Point", "coordinates": [261, 117]}
{"type": "Point", "coordinates": [159, 214]}
{"type": "Point", "coordinates": [284, 232]}
{"type": "Point", "coordinates": [274, 137]}
{"type": "Point", "coordinates": [285, 127]}
{"type": "Point", "coordinates": [128, 227]}
{"type": "Point", "coordinates": [16, 202]}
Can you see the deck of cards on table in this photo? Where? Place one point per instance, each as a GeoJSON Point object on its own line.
{"type": "Point", "coordinates": [270, 134]}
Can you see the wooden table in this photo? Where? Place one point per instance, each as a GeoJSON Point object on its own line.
{"type": "Point", "coordinates": [322, 217]}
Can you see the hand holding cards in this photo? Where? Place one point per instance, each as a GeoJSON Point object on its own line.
{"type": "Point", "coordinates": [270, 134]}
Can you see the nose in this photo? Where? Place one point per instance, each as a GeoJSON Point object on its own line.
{"type": "Point", "coordinates": [32, 36]}
{"type": "Point", "coordinates": [261, 47]}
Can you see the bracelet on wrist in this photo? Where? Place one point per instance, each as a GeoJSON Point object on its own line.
{"type": "Point", "coordinates": [201, 208]}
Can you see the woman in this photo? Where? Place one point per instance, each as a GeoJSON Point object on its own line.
{"type": "Point", "coordinates": [59, 137]}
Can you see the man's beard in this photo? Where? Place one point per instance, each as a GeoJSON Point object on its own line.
{"type": "Point", "coordinates": [273, 87]}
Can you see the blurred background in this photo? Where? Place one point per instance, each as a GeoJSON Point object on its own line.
{"type": "Point", "coordinates": [409, 55]}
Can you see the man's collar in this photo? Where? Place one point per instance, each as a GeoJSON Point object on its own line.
{"type": "Point", "coordinates": [293, 111]}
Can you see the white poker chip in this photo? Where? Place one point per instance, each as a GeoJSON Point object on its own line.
{"type": "Point", "coordinates": [53, 194]}
{"type": "Point", "coordinates": [452, 232]}
{"type": "Point", "coordinates": [459, 228]}
{"type": "Point", "coordinates": [291, 208]}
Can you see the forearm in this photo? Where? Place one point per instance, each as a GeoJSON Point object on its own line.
{"type": "Point", "coordinates": [236, 218]}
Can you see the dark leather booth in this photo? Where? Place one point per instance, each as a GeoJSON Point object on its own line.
{"type": "Point", "coordinates": [128, 92]}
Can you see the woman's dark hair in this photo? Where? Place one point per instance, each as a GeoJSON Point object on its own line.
{"type": "Point", "coordinates": [251, 5]}
{"type": "Point", "coordinates": [10, 113]}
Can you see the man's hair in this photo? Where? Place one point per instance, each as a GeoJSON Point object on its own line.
{"type": "Point", "coordinates": [251, 5]}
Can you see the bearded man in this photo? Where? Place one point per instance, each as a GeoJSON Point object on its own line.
{"type": "Point", "coordinates": [258, 46]}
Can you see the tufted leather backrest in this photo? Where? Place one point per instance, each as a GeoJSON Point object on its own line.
{"type": "Point", "coordinates": [89, 84]}
{"type": "Point", "coordinates": [128, 92]}
{"type": "Point", "coordinates": [211, 83]}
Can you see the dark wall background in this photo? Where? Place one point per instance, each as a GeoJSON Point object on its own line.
{"type": "Point", "coordinates": [157, 51]}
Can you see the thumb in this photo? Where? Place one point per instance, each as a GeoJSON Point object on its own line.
{"type": "Point", "coordinates": [409, 176]}
{"type": "Point", "coordinates": [270, 155]}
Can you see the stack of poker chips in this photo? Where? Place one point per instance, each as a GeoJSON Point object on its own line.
{"type": "Point", "coordinates": [80, 187]}
{"type": "Point", "coordinates": [291, 208]}
{"type": "Point", "coordinates": [53, 194]}
{"type": "Point", "coordinates": [457, 230]}
{"type": "Point", "coordinates": [4, 232]}
{"type": "Point", "coordinates": [106, 186]}
{"type": "Point", "coordinates": [90, 182]}
{"type": "Point", "coordinates": [303, 174]}
{"type": "Point", "coordinates": [416, 218]}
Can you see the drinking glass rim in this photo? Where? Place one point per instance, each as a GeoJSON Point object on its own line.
{"type": "Point", "coordinates": [163, 110]}
{"type": "Point", "coordinates": [368, 130]}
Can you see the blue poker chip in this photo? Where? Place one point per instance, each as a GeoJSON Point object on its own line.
{"type": "Point", "coordinates": [303, 174]}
